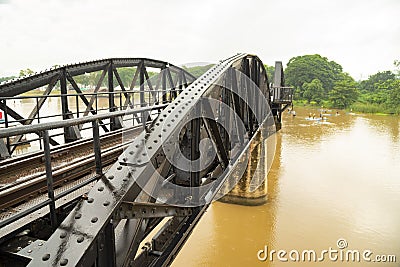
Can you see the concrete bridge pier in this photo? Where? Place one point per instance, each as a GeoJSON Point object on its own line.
{"type": "Point", "coordinates": [249, 180]}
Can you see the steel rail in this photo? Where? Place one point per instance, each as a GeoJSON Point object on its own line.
{"type": "Point", "coordinates": [33, 160]}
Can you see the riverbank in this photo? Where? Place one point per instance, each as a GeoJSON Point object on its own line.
{"type": "Point", "coordinates": [356, 107]}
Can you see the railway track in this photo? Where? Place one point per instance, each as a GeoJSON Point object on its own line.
{"type": "Point", "coordinates": [69, 162]}
{"type": "Point", "coordinates": [17, 169]}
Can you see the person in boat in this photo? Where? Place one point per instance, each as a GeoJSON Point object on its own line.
{"type": "Point", "coordinates": [313, 116]}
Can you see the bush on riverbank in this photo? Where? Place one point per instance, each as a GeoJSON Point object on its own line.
{"type": "Point", "coordinates": [374, 108]}
{"type": "Point", "coordinates": [356, 107]}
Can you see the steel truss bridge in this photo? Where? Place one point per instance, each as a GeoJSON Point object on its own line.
{"type": "Point", "coordinates": [141, 163]}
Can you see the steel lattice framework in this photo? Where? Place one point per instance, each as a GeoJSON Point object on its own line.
{"type": "Point", "coordinates": [145, 191]}
{"type": "Point", "coordinates": [169, 79]}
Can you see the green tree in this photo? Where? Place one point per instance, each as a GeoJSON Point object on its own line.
{"type": "Point", "coordinates": [83, 80]}
{"type": "Point", "coordinates": [304, 69]}
{"type": "Point", "coordinates": [344, 92]}
{"type": "Point", "coordinates": [313, 91]}
{"type": "Point", "coordinates": [2, 79]}
{"type": "Point", "coordinates": [396, 63]}
{"type": "Point", "coordinates": [126, 75]}
{"type": "Point", "coordinates": [378, 97]}
{"type": "Point", "coordinates": [373, 81]}
{"type": "Point", "coordinates": [25, 72]}
{"type": "Point", "coordinates": [394, 95]}
{"type": "Point", "coordinates": [270, 72]}
{"type": "Point", "coordinates": [197, 71]}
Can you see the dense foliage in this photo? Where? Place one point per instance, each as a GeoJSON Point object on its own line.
{"type": "Point", "coordinates": [197, 71]}
{"type": "Point", "coordinates": [2, 79]}
{"type": "Point", "coordinates": [304, 69]}
{"type": "Point", "coordinates": [320, 81]}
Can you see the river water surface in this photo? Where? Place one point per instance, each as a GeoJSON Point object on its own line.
{"type": "Point", "coordinates": [329, 181]}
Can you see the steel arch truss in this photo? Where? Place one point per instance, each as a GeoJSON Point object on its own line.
{"type": "Point", "coordinates": [170, 81]}
{"type": "Point", "coordinates": [146, 185]}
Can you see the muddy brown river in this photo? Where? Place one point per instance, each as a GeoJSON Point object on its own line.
{"type": "Point", "coordinates": [334, 188]}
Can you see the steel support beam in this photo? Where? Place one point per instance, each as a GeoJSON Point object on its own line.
{"type": "Point", "coordinates": [213, 132]}
{"type": "Point", "coordinates": [70, 133]}
{"type": "Point", "coordinates": [18, 117]}
{"type": "Point", "coordinates": [35, 111]}
{"type": "Point", "coordinates": [84, 99]}
{"type": "Point", "coordinates": [134, 210]}
{"type": "Point", "coordinates": [195, 154]}
{"type": "Point", "coordinates": [116, 122]}
{"type": "Point", "coordinates": [94, 98]}
{"type": "Point", "coordinates": [49, 178]}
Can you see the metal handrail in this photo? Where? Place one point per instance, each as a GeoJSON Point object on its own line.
{"type": "Point", "coordinates": [119, 92]}
{"type": "Point", "coordinates": [282, 93]}
{"type": "Point", "coordinates": [18, 130]}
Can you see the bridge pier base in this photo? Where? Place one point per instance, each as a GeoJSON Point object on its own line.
{"type": "Point", "coordinates": [251, 188]}
{"type": "Point", "coordinates": [244, 201]}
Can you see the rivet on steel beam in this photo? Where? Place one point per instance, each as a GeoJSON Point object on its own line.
{"type": "Point", "coordinates": [46, 257]}
{"type": "Point", "coordinates": [63, 262]}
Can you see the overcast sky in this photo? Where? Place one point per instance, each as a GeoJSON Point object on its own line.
{"type": "Point", "coordinates": [363, 36]}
